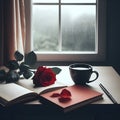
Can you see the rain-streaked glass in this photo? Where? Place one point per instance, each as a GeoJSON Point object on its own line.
{"type": "Point", "coordinates": [45, 1]}
{"type": "Point", "coordinates": [45, 28]}
{"type": "Point", "coordinates": [78, 1]}
{"type": "Point", "coordinates": [78, 28]}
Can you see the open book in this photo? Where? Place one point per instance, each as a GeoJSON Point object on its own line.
{"type": "Point", "coordinates": [23, 91]}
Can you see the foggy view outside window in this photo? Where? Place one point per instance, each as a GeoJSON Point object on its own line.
{"type": "Point", "coordinates": [63, 28]}
{"type": "Point", "coordinates": [45, 1]}
{"type": "Point", "coordinates": [78, 1]}
{"type": "Point", "coordinates": [45, 28]}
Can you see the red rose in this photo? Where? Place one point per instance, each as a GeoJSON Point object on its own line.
{"type": "Point", "coordinates": [44, 77]}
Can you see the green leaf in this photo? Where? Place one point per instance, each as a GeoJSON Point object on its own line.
{"type": "Point", "coordinates": [2, 75]}
{"type": "Point", "coordinates": [27, 74]}
{"type": "Point", "coordinates": [18, 56]}
{"type": "Point", "coordinates": [12, 76]}
{"type": "Point", "coordinates": [12, 65]}
{"type": "Point", "coordinates": [30, 58]}
{"type": "Point", "coordinates": [56, 70]}
{"type": "Point", "coordinates": [24, 67]}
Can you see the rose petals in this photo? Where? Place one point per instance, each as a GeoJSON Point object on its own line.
{"type": "Point", "coordinates": [64, 96]}
{"type": "Point", "coordinates": [55, 95]}
{"type": "Point", "coordinates": [65, 93]}
{"type": "Point", "coordinates": [61, 99]}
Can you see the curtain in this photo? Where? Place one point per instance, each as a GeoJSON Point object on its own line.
{"type": "Point", "coordinates": [12, 29]}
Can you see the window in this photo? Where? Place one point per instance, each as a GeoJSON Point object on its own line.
{"type": "Point", "coordinates": [67, 30]}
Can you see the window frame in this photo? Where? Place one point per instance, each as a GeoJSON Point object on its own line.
{"type": "Point", "coordinates": [99, 55]}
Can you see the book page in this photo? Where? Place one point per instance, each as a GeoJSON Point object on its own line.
{"type": "Point", "coordinates": [29, 85]}
{"type": "Point", "coordinates": [12, 91]}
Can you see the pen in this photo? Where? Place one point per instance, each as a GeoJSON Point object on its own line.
{"type": "Point", "coordinates": [108, 94]}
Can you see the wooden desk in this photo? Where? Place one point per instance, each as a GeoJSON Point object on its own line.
{"type": "Point", "coordinates": [101, 110]}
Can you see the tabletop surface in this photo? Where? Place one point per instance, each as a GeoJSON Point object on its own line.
{"type": "Point", "coordinates": [100, 110]}
{"type": "Point", "coordinates": [107, 76]}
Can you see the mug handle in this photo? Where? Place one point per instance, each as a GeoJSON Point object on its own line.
{"type": "Point", "coordinates": [97, 75]}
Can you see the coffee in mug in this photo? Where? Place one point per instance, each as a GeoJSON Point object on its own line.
{"type": "Point", "coordinates": [81, 73]}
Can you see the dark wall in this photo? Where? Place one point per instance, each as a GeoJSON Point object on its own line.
{"type": "Point", "coordinates": [113, 32]}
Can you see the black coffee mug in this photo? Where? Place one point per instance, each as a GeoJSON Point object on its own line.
{"type": "Point", "coordinates": [81, 73]}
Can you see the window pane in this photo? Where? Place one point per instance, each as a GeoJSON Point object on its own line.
{"type": "Point", "coordinates": [78, 28]}
{"type": "Point", "coordinates": [45, 28]}
{"type": "Point", "coordinates": [44, 1]}
{"type": "Point", "coordinates": [78, 1]}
